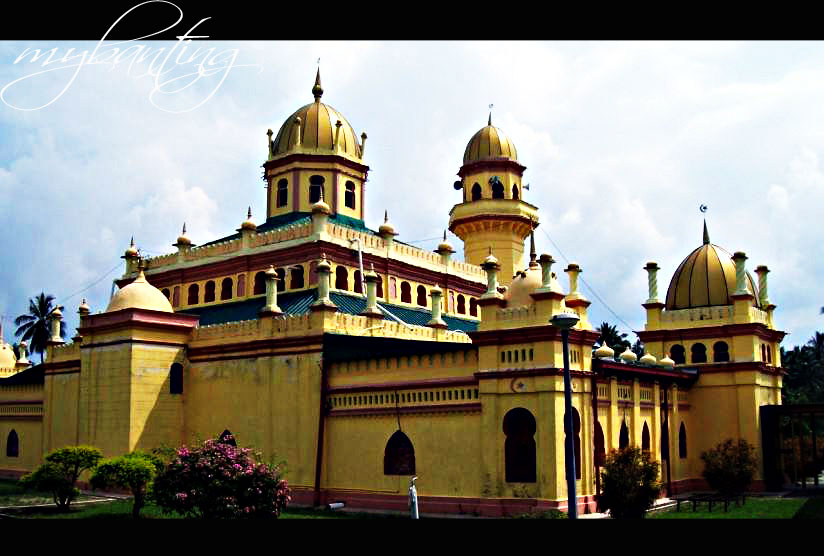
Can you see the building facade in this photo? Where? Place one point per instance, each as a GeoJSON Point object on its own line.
{"type": "Point", "coordinates": [363, 361]}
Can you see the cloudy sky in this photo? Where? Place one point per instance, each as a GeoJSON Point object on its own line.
{"type": "Point", "coordinates": [622, 143]}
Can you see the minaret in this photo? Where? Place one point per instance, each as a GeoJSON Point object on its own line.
{"type": "Point", "coordinates": [493, 212]}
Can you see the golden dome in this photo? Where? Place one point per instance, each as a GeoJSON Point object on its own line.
{"type": "Point", "coordinates": [705, 278]}
{"type": "Point", "coordinates": [524, 283]}
{"type": "Point", "coordinates": [490, 143]}
{"type": "Point", "coordinates": [183, 239]}
{"type": "Point", "coordinates": [386, 229]}
{"type": "Point", "coordinates": [666, 362]}
{"type": "Point", "coordinates": [444, 246]}
{"type": "Point", "coordinates": [648, 359]}
{"type": "Point", "coordinates": [131, 251]}
{"type": "Point", "coordinates": [604, 352]}
{"type": "Point", "coordinates": [628, 356]}
{"type": "Point", "coordinates": [248, 224]}
{"type": "Point", "coordinates": [140, 294]}
{"type": "Point", "coordinates": [318, 126]}
{"type": "Point", "coordinates": [7, 358]}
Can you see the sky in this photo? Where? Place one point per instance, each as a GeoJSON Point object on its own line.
{"type": "Point", "coordinates": [623, 141]}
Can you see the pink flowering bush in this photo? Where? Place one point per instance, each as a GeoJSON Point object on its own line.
{"type": "Point", "coordinates": [218, 480]}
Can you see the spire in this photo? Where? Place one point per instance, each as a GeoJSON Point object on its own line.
{"type": "Point", "coordinates": [532, 256]}
{"type": "Point", "coordinates": [249, 213]}
{"type": "Point", "coordinates": [490, 118]}
{"type": "Point", "coordinates": [386, 216]}
{"type": "Point", "coordinates": [184, 229]}
{"type": "Point", "coordinates": [444, 235]}
{"type": "Point", "coordinates": [131, 242]}
{"type": "Point", "coordinates": [317, 90]}
{"type": "Point", "coordinates": [706, 233]}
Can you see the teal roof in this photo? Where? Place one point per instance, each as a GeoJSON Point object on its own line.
{"type": "Point", "coordinates": [297, 303]}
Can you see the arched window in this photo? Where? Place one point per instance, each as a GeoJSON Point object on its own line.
{"type": "Point", "coordinates": [451, 302]}
{"type": "Point", "coordinates": [645, 442]}
{"type": "Point", "coordinates": [349, 195]}
{"type": "Point", "coordinates": [315, 186]}
{"type": "Point", "coordinates": [260, 283]}
{"type": "Point", "coordinates": [176, 379]}
{"type": "Point", "coordinates": [379, 287]}
{"type": "Point", "coordinates": [406, 292]}
{"type": "Point", "coordinates": [357, 288]}
{"type": "Point", "coordinates": [763, 353]}
{"type": "Point", "coordinates": [461, 304]}
{"type": "Point", "coordinates": [678, 354]}
{"type": "Point", "coordinates": [167, 293]}
{"type": "Point", "coordinates": [623, 437]}
{"type": "Point", "coordinates": [241, 285]}
{"type": "Point", "coordinates": [393, 288]}
{"type": "Point", "coordinates": [226, 289]}
{"type": "Point", "coordinates": [476, 192]}
{"type": "Point", "coordinates": [421, 299]}
{"type": "Point", "coordinates": [297, 277]}
{"type": "Point", "coordinates": [497, 190]}
{"type": "Point", "coordinates": [519, 446]}
{"type": "Point", "coordinates": [209, 294]}
{"type": "Point", "coordinates": [12, 445]}
{"type": "Point", "coordinates": [664, 443]}
{"type": "Point", "coordinates": [227, 437]}
{"type": "Point", "coordinates": [283, 193]}
{"type": "Point", "coordinates": [720, 352]}
{"type": "Point", "coordinates": [576, 439]}
{"type": "Point", "coordinates": [399, 455]}
{"type": "Point", "coordinates": [698, 353]}
{"type": "Point", "coordinates": [473, 307]}
{"type": "Point", "coordinates": [600, 446]}
{"type": "Point", "coordinates": [769, 354]}
{"type": "Point", "coordinates": [281, 274]}
{"type": "Point", "coordinates": [193, 297]}
{"type": "Point", "coordinates": [313, 273]}
{"type": "Point", "coordinates": [515, 191]}
{"type": "Point", "coordinates": [682, 442]}
{"type": "Point", "coordinates": [341, 278]}
{"type": "Point", "coordinates": [176, 297]}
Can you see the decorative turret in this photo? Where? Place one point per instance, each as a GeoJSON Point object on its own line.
{"type": "Point", "coordinates": [387, 230]}
{"type": "Point", "coordinates": [666, 362]}
{"type": "Point", "coordinates": [648, 359]}
{"type": "Point", "coordinates": [320, 215]}
{"type": "Point", "coordinates": [248, 224]}
{"type": "Point", "coordinates": [371, 278]}
{"type": "Point", "coordinates": [183, 242]}
{"type": "Point", "coordinates": [445, 250]}
{"type": "Point", "coordinates": [436, 321]}
{"type": "Point", "coordinates": [131, 255]}
{"type": "Point", "coordinates": [628, 356]}
{"type": "Point", "coordinates": [271, 308]}
{"type": "Point", "coordinates": [323, 303]}
{"type": "Point", "coordinates": [82, 311]}
{"type": "Point", "coordinates": [56, 319]}
{"type": "Point", "coordinates": [604, 352]}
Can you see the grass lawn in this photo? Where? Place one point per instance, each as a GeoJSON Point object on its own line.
{"type": "Point", "coordinates": [12, 494]}
{"type": "Point", "coordinates": [754, 508]}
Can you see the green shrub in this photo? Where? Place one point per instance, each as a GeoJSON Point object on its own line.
{"type": "Point", "coordinates": [629, 483]}
{"type": "Point", "coordinates": [548, 514]}
{"type": "Point", "coordinates": [134, 471]}
{"type": "Point", "coordinates": [59, 473]}
{"type": "Point", "coordinates": [729, 468]}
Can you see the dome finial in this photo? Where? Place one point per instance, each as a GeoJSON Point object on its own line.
{"type": "Point", "coordinates": [490, 115]}
{"type": "Point", "coordinates": [533, 258]}
{"type": "Point", "coordinates": [317, 90]}
{"type": "Point", "coordinates": [386, 216]}
{"type": "Point", "coordinates": [444, 235]}
{"type": "Point", "coordinates": [706, 233]}
{"type": "Point", "coordinates": [184, 229]}
{"type": "Point", "coordinates": [249, 213]}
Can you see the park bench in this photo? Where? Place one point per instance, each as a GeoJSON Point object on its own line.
{"type": "Point", "coordinates": [709, 497]}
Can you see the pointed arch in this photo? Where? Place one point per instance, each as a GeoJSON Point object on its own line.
{"type": "Point", "coordinates": [515, 191]}
{"type": "Point", "coordinates": [645, 441]}
{"type": "Point", "coordinates": [296, 276]}
{"type": "Point", "coordinates": [682, 441]}
{"type": "Point", "coordinates": [623, 437]}
{"type": "Point", "coordinates": [226, 289]}
{"type": "Point", "coordinates": [13, 445]}
{"type": "Point", "coordinates": [406, 292]}
{"type": "Point", "coordinates": [497, 190]}
{"type": "Point", "coordinates": [281, 283]}
{"type": "Point", "coordinates": [357, 283]}
{"type": "Point", "coordinates": [315, 187]}
{"type": "Point", "coordinates": [209, 294]}
{"type": "Point", "coordinates": [576, 439]}
{"type": "Point", "coordinates": [600, 445]}
{"type": "Point", "coordinates": [461, 304]}
{"type": "Point", "coordinates": [421, 297]}
{"type": "Point", "coordinates": [698, 353]}
{"type": "Point", "coordinates": [282, 193]}
{"type": "Point", "coordinates": [473, 307]}
{"type": "Point", "coordinates": [341, 278]}
{"type": "Point", "coordinates": [193, 297]}
{"type": "Point", "coordinates": [399, 455]}
{"type": "Point", "coordinates": [476, 192]}
{"type": "Point", "coordinates": [260, 283]}
{"type": "Point", "coordinates": [664, 443]}
{"type": "Point", "coordinates": [720, 352]}
{"type": "Point", "coordinates": [678, 354]}
{"type": "Point", "coordinates": [519, 446]}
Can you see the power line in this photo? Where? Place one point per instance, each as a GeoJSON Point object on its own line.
{"type": "Point", "coordinates": [92, 284]}
{"type": "Point", "coordinates": [590, 288]}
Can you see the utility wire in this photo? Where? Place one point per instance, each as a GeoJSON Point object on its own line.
{"type": "Point", "coordinates": [590, 288]}
{"type": "Point", "coordinates": [92, 284]}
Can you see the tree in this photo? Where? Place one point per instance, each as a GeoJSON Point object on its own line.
{"type": "Point", "coordinates": [35, 327]}
{"type": "Point", "coordinates": [218, 480]}
{"type": "Point", "coordinates": [729, 468]}
{"type": "Point", "coordinates": [614, 339]}
{"type": "Point", "coordinates": [804, 381]}
{"type": "Point", "coordinates": [629, 483]}
{"type": "Point", "coordinates": [638, 348]}
{"type": "Point", "coordinates": [134, 471]}
{"type": "Point", "coordinates": [59, 473]}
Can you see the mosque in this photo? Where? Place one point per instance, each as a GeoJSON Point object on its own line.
{"type": "Point", "coordinates": [362, 360]}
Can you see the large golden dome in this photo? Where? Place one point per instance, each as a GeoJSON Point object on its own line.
{"type": "Point", "coordinates": [140, 294]}
{"type": "Point", "coordinates": [317, 131]}
{"type": "Point", "coordinates": [705, 278]}
{"type": "Point", "coordinates": [7, 358]}
{"type": "Point", "coordinates": [490, 143]}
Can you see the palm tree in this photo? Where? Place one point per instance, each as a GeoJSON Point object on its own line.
{"type": "Point", "coordinates": [614, 339]}
{"type": "Point", "coordinates": [35, 327]}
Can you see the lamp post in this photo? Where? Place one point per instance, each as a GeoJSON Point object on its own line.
{"type": "Point", "coordinates": [565, 321]}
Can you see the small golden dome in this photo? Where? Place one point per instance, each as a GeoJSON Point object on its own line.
{"type": "Point", "coordinates": [248, 224]}
{"type": "Point", "coordinates": [324, 265]}
{"type": "Point", "coordinates": [57, 312]}
{"type": "Point", "coordinates": [386, 228]}
{"type": "Point", "coordinates": [648, 359]}
{"type": "Point", "coordinates": [490, 259]}
{"type": "Point", "coordinates": [705, 278]}
{"type": "Point", "coordinates": [445, 246]}
{"type": "Point", "coordinates": [84, 308]}
{"type": "Point", "coordinates": [317, 131]}
{"type": "Point", "coordinates": [140, 294]}
{"type": "Point", "coordinates": [628, 356]}
{"type": "Point", "coordinates": [524, 283]}
{"type": "Point", "coordinates": [604, 352]}
{"type": "Point", "coordinates": [183, 239]}
{"type": "Point", "coordinates": [666, 362]}
{"type": "Point", "coordinates": [320, 206]}
{"type": "Point", "coordinates": [131, 251]}
{"type": "Point", "coordinates": [7, 358]}
{"type": "Point", "coordinates": [490, 143]}
{"type": "Point", "coordinates": [271, 272]}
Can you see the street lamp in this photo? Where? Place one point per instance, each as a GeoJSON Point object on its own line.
{"type": "Point", "coordinates": [565, 321]}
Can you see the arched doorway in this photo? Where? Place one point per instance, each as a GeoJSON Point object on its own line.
{"type": "Point", "coordinates": [399, 455]}
{"type": "Point", "coordinates": [576, 440]}
{"type": "Point", "coordinates": [519, 446]}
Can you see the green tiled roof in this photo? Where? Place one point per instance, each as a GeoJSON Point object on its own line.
{"type": "Point", "coordinates": [297, 303]}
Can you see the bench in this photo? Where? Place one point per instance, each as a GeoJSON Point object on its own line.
{"type": "Point", "coordinates": [710, 498]}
